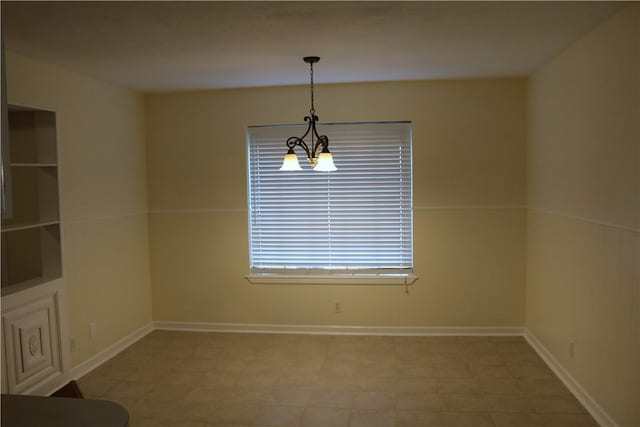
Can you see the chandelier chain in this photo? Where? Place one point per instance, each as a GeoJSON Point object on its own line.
{"type": "Point", "coordinates": [313, 109]}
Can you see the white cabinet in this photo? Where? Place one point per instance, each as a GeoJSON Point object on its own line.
{"type": "Point", "coordinates": [34, 333]}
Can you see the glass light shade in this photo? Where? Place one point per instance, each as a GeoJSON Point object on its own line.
{"type": "Point", "coordinates": [325, 163]}
{"type": "Point", "coordinates": [290, 163]}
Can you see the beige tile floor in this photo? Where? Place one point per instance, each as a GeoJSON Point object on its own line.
{"type": "Point", "coordinates": [225, 379]}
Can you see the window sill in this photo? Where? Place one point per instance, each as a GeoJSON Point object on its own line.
{"type": "Point", "coordinates": [332, 279]}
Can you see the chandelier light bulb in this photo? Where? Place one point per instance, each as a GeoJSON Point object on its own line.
{"type": "Point", "coordinates": [325, 163]}
{"type": "Point", "coordinates": [290, 162]}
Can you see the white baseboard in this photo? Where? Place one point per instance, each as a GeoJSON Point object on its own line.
{"type": "Point", "coordinates": [99, 358]}
{"type": "Point", "coordinates": [336, 330]}
{"type": "Point", "coordinates": [47, 388]}
{"type": "Point", "coordinates": [599, 414]}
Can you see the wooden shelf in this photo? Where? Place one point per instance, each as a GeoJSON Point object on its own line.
{"type": "Point", "coordinates": [33, 165]}
{"type": "Point", "coordinates": [17, 287]}
{"type": "Point", "coordinates": [27, 226]}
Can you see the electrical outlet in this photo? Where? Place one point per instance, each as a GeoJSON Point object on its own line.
{"type": "Point", "coordinates": [73, 344]}
{"type": "Point", "coordinates": [92, 330]}
{"type": "Point", "coordinates": [337, 307]}
{"type": "Point", "coordinates": [571, 350]}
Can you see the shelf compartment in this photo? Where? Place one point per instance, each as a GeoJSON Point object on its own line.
{"type": "Point", "coordinates": [32, 136]}
{"type": "Point", "coordinates": [34, 197]}
{"type": "Point", "coordinates": [30, 257]}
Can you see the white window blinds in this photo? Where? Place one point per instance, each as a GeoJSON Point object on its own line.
{"type": "Point", "coordinates": [356, 219]}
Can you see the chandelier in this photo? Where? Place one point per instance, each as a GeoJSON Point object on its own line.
{"type": "Point", "coordinates": [320, 161]}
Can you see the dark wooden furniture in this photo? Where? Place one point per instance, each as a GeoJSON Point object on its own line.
{"type": "Point", "coordinates": [36, 411]}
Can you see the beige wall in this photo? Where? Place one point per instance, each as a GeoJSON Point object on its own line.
{"type": "Point", "coordinates": [583, 177]}
{"type": "Point", "coordinates": [102, 166]}
{"type": "Point", "coordinates": [469, 191]}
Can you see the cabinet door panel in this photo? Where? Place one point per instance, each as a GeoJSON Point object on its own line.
{"type": "Point", "coordinates": [32, 337]}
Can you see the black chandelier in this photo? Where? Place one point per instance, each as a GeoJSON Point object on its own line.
{"type": "Point", "coordinates": [322, 161]}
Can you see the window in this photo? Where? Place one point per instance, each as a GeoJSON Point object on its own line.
{"type": "Point", "coordinates": [329, 227]}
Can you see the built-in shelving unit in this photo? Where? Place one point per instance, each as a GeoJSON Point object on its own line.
{"type": "Point", "coordinates": [30, 220]}
{"type": "Point", "coordinates": [34, 333]}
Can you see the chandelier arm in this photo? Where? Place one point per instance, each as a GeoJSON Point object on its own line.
{"type": "Point", "coordinates": [323, 142]}
{"type": "Point", "coordinates": [310, 126]}
{"type": "Point", "coordinates": [294, 141]}
{"type": "Point", "coordinates": [315, 131]}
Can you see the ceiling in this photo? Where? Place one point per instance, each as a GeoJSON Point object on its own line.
{"type": "Point", "coordinates": [167, 46]}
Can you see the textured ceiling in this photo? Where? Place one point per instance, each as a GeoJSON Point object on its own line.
{"type": "Point", "coordinates": [163, 46]}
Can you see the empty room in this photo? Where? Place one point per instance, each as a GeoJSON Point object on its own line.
{"type": "Point", "coordinates": [320, 214]}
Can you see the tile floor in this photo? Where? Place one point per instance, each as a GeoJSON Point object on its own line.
{"type": "Point", "coordinates": [226, 379]}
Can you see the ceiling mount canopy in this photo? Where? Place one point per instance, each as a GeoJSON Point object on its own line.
{"type": "Point", "coordinates": [318, 154]}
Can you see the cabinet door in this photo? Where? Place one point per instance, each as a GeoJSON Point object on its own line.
{"type": "Point", "coordinates": [35, 339]}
